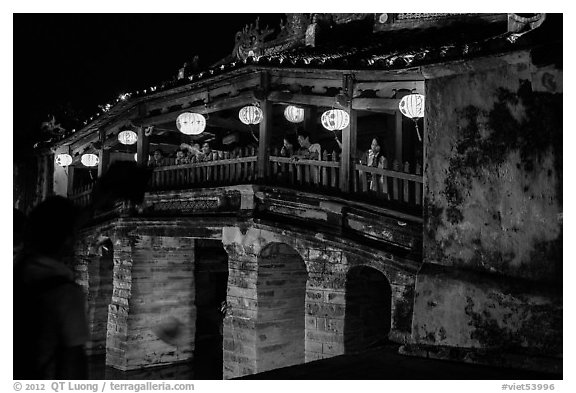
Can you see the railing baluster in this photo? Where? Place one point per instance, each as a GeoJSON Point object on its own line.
{"type": "Point", "coordinates": [335, 172]}
{"type": "Point", "coordinates": [395, 181]}
{"type": "Point", "coordinates": [384, 179]}
{"type": "Point", "coordinates": [406, 191]}
{"type": "Point", "coordinates": [363, 181]}
{"type": "Point", "coordinates": [324, 173]}
{"type": "Point", "coordinates": [418, 187]}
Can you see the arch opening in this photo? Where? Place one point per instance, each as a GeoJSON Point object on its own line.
{"type": "Point", "coordinates": [368, 309]}
{"type": "Point", "coordinates": [211, 277]}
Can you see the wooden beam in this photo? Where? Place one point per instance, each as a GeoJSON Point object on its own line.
{"type": "Point", "coordinates": [375, 104]}
{"type": "Point", "coordinates": [215, 106]}
{"type": "Point", "coordinates": [301, 99]}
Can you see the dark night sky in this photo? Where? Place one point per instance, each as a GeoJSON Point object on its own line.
{"type": "Point", "coordinates": [80, 61]}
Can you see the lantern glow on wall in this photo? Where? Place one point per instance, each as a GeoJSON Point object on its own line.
{"type": "Point", "coordinates": [63, 160]}
{"type": "Point", "coordinates": [89, 160]}
{"type": "Point", "coordinates": [250, 114]}
{"type": "Point", "coordinates": [412, 106]}
{"type": "Point", "coordinates": [294, 114]}
{"type": "Point", "coordinates": [335, 119]}
{"type": "Point", "coordinates": [127, 137]}
{"type": "Point", "coordinates": [191, 123]}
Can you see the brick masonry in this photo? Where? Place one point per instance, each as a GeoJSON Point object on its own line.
{"type": "Point", "coordinates": [151, 319]}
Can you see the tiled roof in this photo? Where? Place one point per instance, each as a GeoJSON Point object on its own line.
{"type": "Point", "coordinates": [391, 50]}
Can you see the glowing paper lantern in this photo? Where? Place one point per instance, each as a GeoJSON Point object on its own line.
{"type": "Point", "coordinates": [250, 114]}
{"type": "Point", "coordinates": [63, 159]}
{"type": "Point", "coordinates": [294, 114]}
{"type": "Point", "coordinates": [191, 123]}
{"type": "Point", "coordinates": [335, 119]}
{"type": "Point", "coordinates": [127, 137]}
{"type": "Point", "coordinates": [136, 157]}
{"type": "Point", "coordinates": [412, 106]}
{"type": "Point", "coordinates": [89, 159]}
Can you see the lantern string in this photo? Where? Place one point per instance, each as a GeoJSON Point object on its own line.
{"type": "Point", "coordinates": [417, 130]}
{"type": "Point", "coordinates": [252, 132]}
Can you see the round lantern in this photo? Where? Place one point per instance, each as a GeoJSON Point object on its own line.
{"type": "Point", "coordinates": [127, 137]}
{"type": "Point", "coordinates": [412, 106]}
{"type": "Point", "coordinates": [136, 157]}
{"type": "Point", "coordinates": [63, 159]}
{"type": "Point", "coordinates": [89, 159]}
{"type": "Point", "coordinates": [191, 123]}
{"type": "Point", "coordinates": [335, 119]}
{"type": "Point", "coordinates": [250, 115]}
{"type": "Point", "coordinates": [294, 114]}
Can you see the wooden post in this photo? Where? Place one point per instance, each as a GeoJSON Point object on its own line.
{"type": "Point", "coordinates": [104, 161]}
{"type": "Point", "coordinates": [265, 132]}
{"type": "Point", "coordinates": [142, 147]}
{"type": "Point", "coordinates": [348, 158]}
{"type": "Point", "coordinates": [398, 137]}
{"type": "Point", "coordinates": [310, 114]}
{"type": "Point", "coordinates": [70, 188]}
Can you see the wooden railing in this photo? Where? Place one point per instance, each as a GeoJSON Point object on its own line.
{"type": "Point", "coordinates": [81, 196]}
{"type": "Point", "coordinates": [221, 168]}
{"type": "Point", "coordinates": [323, 173]}
{"type": "Point", "coordinates": [400, 183]}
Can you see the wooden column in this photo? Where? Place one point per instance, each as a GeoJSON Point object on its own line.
{"type": "Point", "coordinates": [265, 130]}
{"type": "Point", "coordinates": [349, 140]}
{"type": "Point", "coordinates": [104, 155]}
{"type": "Point", "coordinates": [70, 189]}
{"type": "Point", "coordinates": [398, 137]}
{"type": "Point", "coordinates": [142, 147]}
{"type": "Point", "coordinates": [310, 114]}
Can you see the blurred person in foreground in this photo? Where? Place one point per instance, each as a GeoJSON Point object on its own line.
{"type": "Point", "coordinates": [50, 325]}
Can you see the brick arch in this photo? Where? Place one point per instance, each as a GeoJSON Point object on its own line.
{"type": "Point", "coordinates": [281, 292]}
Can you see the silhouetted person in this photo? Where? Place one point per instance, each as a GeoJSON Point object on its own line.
{"type": "Point", "coordinates": [50, 326]}
{"type": "Point", "coordinates": [157, 159]}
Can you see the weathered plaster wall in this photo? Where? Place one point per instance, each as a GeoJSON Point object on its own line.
{"type": "Point", "coordinates": [493, 175]}
{"type": "Point", "coordinates": [493, 215]}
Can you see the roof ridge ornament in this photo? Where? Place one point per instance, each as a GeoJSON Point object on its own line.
{"type": "Point", "coordinates": [250, 40]}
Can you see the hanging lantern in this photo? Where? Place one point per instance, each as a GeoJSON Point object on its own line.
{"type": "Point", "coordinates": [127, 137]}
{"type": "Point", "coordinates": [64, 160]}
{"type": "Point", "coordinates": [89, 160]}
{"type": "Point", "coordinates": [136, 157]}
{"type": "Point", "coordinates": [335, 119]}
{"type": "Point", "coordinates": [412, 106]}
{"type": "Point", "coordinates": [294, 114]}
{"type": "Point", "coordinates": [250, 114]}
{"type": "Point", "coordinates": [191, 123]}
